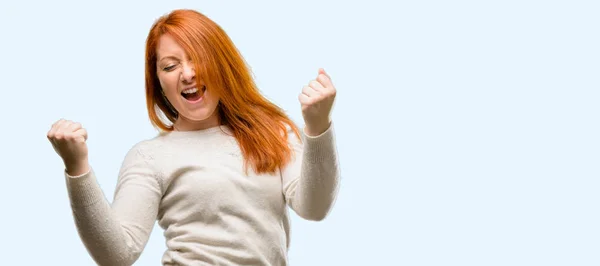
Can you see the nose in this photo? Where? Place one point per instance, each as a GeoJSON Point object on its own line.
{"type": "Point", "coordinates": [188, 73]}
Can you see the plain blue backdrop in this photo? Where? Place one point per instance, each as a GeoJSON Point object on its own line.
{"type": "Point", "coordinates": [468, 130]}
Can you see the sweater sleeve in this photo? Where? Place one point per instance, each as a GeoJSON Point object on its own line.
{"type": "Point", "coordinates": [311, 179]}
{"type": "Point", "coordinates": [116, 234]}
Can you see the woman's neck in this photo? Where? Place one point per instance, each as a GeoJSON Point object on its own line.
{"type": "Point", "coordinates": [184, 124]}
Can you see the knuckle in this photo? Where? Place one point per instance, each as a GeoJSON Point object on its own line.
{"type": "Point", "coordinates": [70, 136]}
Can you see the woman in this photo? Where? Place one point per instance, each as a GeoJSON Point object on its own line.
{"type": "Point", "coordinates": [227, 163]}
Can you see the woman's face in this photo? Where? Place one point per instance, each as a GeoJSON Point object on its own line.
{"type": "Point", "coordinates": [194, 103]}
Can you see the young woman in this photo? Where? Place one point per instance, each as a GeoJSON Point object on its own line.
{"type": "Point", "coordinates": [225, 166]}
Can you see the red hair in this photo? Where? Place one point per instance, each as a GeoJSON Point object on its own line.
{"type": "Point", "coordinates": [259, 126]}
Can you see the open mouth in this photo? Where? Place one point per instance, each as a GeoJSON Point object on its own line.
{"type": "Point", "coordinates": [193, 94]}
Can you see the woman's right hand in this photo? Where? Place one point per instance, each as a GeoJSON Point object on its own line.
{"type": "Point", "coordinates": [69, 140]}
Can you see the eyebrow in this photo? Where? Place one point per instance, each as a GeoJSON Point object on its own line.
{"type": "Point", "coordinates": [168, 57]}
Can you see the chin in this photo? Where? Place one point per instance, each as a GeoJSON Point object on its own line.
{"type": "Point", "coordinates": [200, 115]}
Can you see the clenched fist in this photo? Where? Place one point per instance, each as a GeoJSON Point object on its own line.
{"type": "Point", "coordinates": [317, 100]}
{"type": "Point", "coordinates": [68, 139]}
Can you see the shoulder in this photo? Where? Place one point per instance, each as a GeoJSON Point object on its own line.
{"type": "Point", "coordinates": [146, 149]}
{"type": "Point", "coordinates": [147, 145]}
{"type": "Point", "coordinates": [142, 159]}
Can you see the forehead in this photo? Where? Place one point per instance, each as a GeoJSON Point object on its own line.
{"type": "Point", "coordinates": [167, 46]}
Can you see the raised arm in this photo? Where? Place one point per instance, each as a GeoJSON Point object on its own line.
{"type": "Point", "coordinates": [117, 234]}
{"type": "Point", "coordinates": [113, 234]}
{"type": "Point", "coordinates": [311, 180]}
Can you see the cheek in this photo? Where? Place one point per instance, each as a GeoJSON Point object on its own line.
{"type": "Point", "coordinates": [168, 84]}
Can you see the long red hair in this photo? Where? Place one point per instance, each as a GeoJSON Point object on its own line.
{"type": "Point", "coordinates": [258, 125]}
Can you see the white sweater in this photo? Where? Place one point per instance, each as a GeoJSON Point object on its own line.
{"type": "Point", "coordinates": [193, 183]}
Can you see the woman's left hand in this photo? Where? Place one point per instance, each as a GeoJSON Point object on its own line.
{"type": "Point", "coordinates": [317, 100]}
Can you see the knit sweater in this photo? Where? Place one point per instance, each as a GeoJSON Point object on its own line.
{"type": "Point", "coordinates": [212, 211]}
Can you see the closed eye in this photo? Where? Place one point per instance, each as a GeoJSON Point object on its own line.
{"type": "Point", "coordinates": [169, 68]}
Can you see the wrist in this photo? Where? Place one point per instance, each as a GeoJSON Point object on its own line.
{"type": "Point", "coordinates": [317, 129]}
{"type": "Point", "coordinates": [77, 168]}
